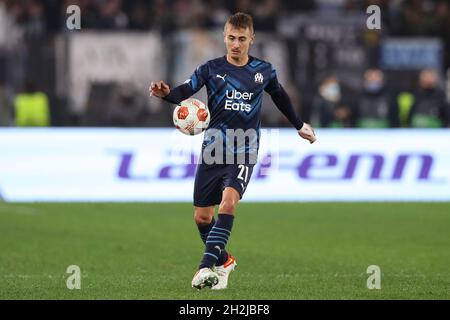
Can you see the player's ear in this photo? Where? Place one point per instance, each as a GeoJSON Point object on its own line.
{"type": "Point", "coordinates": [252, 39]}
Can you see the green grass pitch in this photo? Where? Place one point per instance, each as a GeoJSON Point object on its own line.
{"type": "Point", "coordinates": [283, 251]}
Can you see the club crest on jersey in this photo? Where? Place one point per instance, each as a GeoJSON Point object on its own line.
{"type": "Point", "coordinates": [259, 78]}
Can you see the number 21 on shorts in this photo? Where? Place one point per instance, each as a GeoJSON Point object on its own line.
{"type": "Point", "coordinates": [243, 170]}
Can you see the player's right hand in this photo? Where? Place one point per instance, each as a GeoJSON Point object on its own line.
{"type": "Point", "coordinates": [159, 89]}
{"type": "Point", "coordinates": [307, 132]}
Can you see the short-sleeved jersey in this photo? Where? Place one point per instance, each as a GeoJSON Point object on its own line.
{"type": "Point", "coordinates": [235, 96]}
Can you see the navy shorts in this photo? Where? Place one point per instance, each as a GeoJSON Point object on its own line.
{"type": "Point", "coordinates": [212, 179]}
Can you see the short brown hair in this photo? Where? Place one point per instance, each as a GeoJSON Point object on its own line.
{"type": "Point", "coordinates": [241, 20]}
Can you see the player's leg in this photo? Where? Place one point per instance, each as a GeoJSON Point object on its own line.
{"type": "Point", "coordinates": [230, 199]}
{"type": "Point", "coordinates": [204, 219]}
{"type": "Point", "coordinates": [236, 180]}
{"type": "Point", "coordinates": [227, 207]}
{"type": "Point", "coordinates": [221, 231]}
{"type": "Point", "coordinates": [207, 188]}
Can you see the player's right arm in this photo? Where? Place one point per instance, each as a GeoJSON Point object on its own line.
{"type": "Point", "coordinates": [176, 95]}
{"type": "Point", "coordinates": [159, 89]}
{"type": "Point", "coordinates": [182, 92]}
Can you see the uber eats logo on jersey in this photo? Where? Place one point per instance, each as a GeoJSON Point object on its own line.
{"type": "Point", "coordinates": [231, 104]}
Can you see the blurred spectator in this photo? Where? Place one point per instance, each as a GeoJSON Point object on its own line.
{"type": "Point", "coordinates": [375, 108]}
{"type": "Point", "coordinates": [217, 14]}
{"type": "Point", "coordinates": [266, 15]}
{"type": "Point", "coordinates": [28, 15]}
{"type": "Point", "coordinates": [11, 55]}
{"type": "Point", "coordinates": [417, 18]}
{"type": "Point", "coordinates": [187, 14]}
{"type": "Point", "coordinates": [328, 108]}
{"type": "Point", "coordinates": [6, 110]}
{"type": "Point", "coordinates": [403, 104]}
{"type": "Point", "coordinates": [31, 107]}
{"type": "Point", "coordinates": [10, 33]}
{"type": "Point", "coordinates": [430, 109]}
{"type": "Point", "coordinates": [139, 15]}
{"type": "Point", "coordinates": [35, 24]}
{"type": "Point", "coordinates": [443, 31]}
{"type": "Point", "coordinates": [161, 19]}
{"type": "Point", "coordinates": [111, 16]}
{"type": "Point", "coordinates": [244, 6]}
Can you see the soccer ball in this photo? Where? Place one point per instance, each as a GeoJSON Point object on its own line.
{"type": "Point", "coordinates": [191, 117]}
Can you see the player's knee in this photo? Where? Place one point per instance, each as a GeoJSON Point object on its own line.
{"type": "Point", "coordinates": [227, 206]}
{"type": "Point", "coordinates": [202, 218]}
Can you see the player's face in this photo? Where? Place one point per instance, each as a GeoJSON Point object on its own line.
{"type": "Point", "coordinates": [237, 41]}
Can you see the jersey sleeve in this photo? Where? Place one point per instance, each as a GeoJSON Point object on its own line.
{"type": "Point", "coordinates": [190, 86]}
{"type": "Point", "coordinates": [282, 100]}
{"type": "Point", "coordinates": [198, 78]}
{"type": "Point", "coordinates": [273, 84]}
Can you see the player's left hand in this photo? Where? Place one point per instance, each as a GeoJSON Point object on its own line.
{"type": "Point", "coordinates": [307, 132]}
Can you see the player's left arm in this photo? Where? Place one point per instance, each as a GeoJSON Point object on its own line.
{"type": "Point", "coordinates": [284, 104]}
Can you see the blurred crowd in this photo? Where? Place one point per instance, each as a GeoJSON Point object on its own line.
{"type": "Point", "coordinates": [422, 105]}
{"type": "Point", "coordinates": [401, 17]}
{"type": "Point", "coordinates": [377, 106]}
{"type": "Point", "coordinates": [38, 17]}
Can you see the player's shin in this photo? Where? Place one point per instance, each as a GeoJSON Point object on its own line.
{"type": "Point", "coordinates": [204, 230]}
{"type": "Point", "coordinates": [217, 241]}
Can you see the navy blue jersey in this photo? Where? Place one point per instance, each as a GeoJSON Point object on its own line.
{"type": "Point", "coordinates": [235, 95]}
{"type": "Point", "coordinates": [235, 99]}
